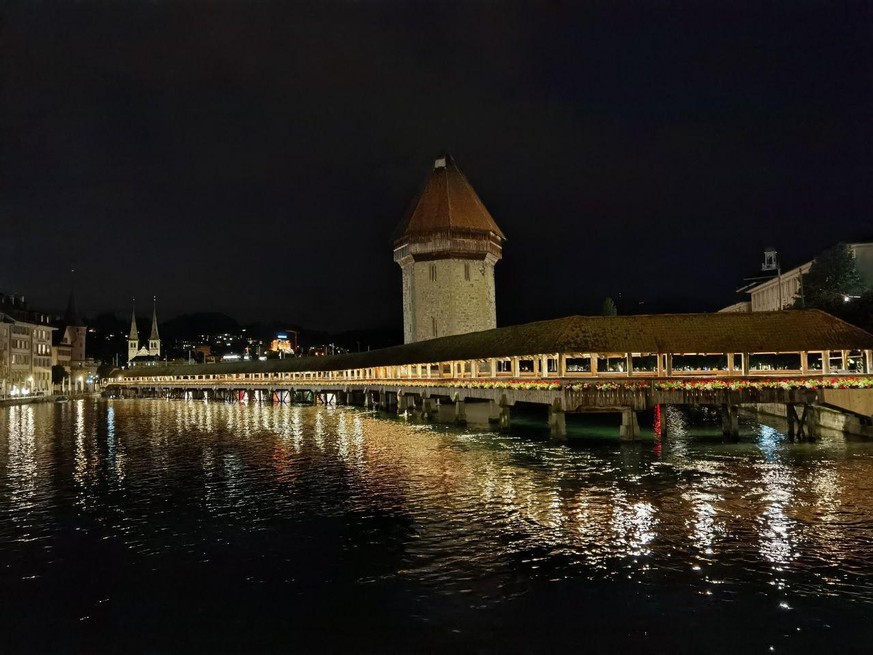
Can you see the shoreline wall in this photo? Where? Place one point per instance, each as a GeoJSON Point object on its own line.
{"type": "Point", "coordinates": [828, 419]}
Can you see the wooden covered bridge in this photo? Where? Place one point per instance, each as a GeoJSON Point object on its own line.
{"type": "Point", "coordinates": [803, 359]}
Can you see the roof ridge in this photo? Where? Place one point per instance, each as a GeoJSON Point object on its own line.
{"type": "Point", "coordinates": [448, 162]}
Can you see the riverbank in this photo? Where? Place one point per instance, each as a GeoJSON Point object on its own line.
{"type": "Point", "coordinates": [32, 400]}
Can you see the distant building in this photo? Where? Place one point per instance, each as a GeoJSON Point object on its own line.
{"type": "Point", "coordinates": [283, 344]}
{"type": "Point", "coordinates": [150, 352]}
{"type": "Point", "coordinates": [782, 290]}
{"type": "Point", "coordinates": [203, 352]}
{"type": "Point", "coordinates": [68, 347]}
{"type": "Point", "coordinates": [25, 348]}
{"type": "Point", "coordinates": [447, 246]}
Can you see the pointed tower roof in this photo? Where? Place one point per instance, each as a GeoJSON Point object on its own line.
{"type": "Point", "coordinates": [447, 203]}
{"type": "Point", "coordinates": [134, 334]}
{"type": "Point", "coordinates": [72, 317]}
{"type": "Point", "coordinates": [155, 336]}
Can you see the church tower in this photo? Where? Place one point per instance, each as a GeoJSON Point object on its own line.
{"type": "Point", "coordinates": [133, 337]}
{"type": "Point", "coordinates": [154, 338]}
{"type": "Point", "coordinates": [75, 331]}
{"type": "Point", "coordinates": [447, 246]}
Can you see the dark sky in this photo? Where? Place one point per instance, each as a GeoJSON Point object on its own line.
{"type": "Point", "coordinates": [254, 157]}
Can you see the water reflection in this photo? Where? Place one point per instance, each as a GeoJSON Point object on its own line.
{"type": "Point", "coordinates": [21, 464]}
{"type": "Point", "coordinates": [459, 512]}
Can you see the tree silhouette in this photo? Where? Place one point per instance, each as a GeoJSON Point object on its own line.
{"type": "Point", "coordinates": [831, 279]}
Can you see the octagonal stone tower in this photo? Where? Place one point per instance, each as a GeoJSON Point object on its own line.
{"type": "Point", "coordinates": [447, 246]}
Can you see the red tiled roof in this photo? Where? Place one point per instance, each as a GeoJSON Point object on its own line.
{"type": "Point", "coordinates": [447, 203]}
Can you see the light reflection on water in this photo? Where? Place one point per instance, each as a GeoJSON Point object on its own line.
{"type": "Point", "coordinates": [459, 513]}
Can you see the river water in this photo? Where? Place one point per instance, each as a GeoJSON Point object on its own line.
{"type": "Point", "coordinates": [155, 526]}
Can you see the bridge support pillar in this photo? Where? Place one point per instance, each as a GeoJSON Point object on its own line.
{"type": "Point", "coordinates": [405, 403]}
{"type": "Point", "coordinates": [630, 427]}
{"type": "Point", "coordinates": [493, 412]}
{"type": "Point", "coordinates": [427, 407]}
{"type": "Point", "coordinates": [730, 422]}
{"type": "Point", "coordinates": [805, 425]}
{"type": "Point", "coordinates": [503, 421]}
{"type": "Point", "coordinates": [460, 411]}
{"type": "Point", "coordinates": [812, 425]}
{"type": "Point", "coordinates": [557, 422]}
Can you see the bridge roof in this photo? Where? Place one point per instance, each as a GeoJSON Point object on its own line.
{"type": "Point", "coordinates": [447, 202]}
{"type": "Point", "coordinates": [753, 332]}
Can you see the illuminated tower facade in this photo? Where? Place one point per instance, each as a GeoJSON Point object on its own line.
{"type": "Point", "coordinates": [447, 246]}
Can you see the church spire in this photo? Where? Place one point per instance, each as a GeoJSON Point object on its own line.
{"type": "Point", "coordinates": [155, 339]}
{"type": "Point", "coordinates": [72, 316]}
{"type": "Point", "coordinates": [133, 337]}
{"type": "Point", "coordinates": [154, 336]}
{"type": "Point", "coordinates": [134, 334]}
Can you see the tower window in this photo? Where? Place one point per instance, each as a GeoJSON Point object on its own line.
{"type": "Point", "coordinates": [433, 272]}
{"type": "Point", "coordinates": [433, 325]}
{"type": "Point", "coordinates": [467, 271]}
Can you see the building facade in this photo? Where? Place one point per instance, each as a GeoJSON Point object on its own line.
{"type": "Point", "coordinates": [779, 292]}
{"type": "Point", "coordinates": [25, 349]}
{"type": "Point", "coordinates": [783, 290]}
{"type": "Point", "coordinates": [447, 246]}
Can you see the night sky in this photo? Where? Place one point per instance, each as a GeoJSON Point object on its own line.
{"type": "Point", "coordinates": [253, 159]}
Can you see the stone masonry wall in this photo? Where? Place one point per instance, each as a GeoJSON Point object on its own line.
{"type": "Point", "coordinates": [450, 303]}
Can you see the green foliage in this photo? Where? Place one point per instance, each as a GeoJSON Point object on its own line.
{"type": "Point", "coordinates": [609, 308]}
{"type": "Point", "coordinates": [832, 277]}
{"type": "Point", "coordinates": [858, 311]}
{"type": "Point", "coordinates": [59, 373]}
{"type": "Point", "coordinates": [104, 370]}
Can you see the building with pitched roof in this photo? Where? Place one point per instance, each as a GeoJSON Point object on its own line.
{"type": "Point", "coordinates": [68, 345]}
{"type": "Point", "coordinates": [447, 246]}
{"type": "Point", "coordinates": [783, 289]}
{"type": "Point", "coordinates": [25, 348]}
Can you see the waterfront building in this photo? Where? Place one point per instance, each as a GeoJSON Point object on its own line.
{"type": "Point", "coordinates": [149, 352]}
{"type": "Point", "coordinates": [782, 290]}
{"type": "Point", "coordinates": [25, 348]}
{"type": "Point", "coordinates": [447, 246]}
{"type": "Point", "coordinates": [779, 292]}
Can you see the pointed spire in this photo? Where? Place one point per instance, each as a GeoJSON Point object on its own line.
{"type": "Point", "coordinates": [72, 316]}
{"type": "Point", "coordinates": [134, 334]}
{"type": "Point", "coordinates": [447, 203]}
{"type": "Point", "coordinates": [154, 336]}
